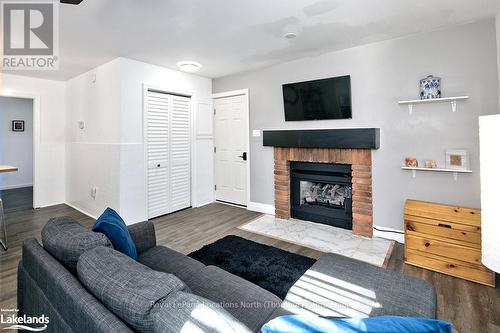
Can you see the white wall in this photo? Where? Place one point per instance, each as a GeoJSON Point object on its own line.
{"type": "Point", "coordinates": [49, 154]}
{"type": "Point", "coordinates": [109, 152]}
{"type": "Point", "coordinates": [16, 148]}
{"type": "Point", "coordinates": [497, 26]}
{"type": "Point", "coordinates": [381, 74]}
{"type": "Point", "coordinates": [93, 153]}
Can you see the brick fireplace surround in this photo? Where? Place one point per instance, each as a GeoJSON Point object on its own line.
{"type": "Point", "coordinates": [361, 161]}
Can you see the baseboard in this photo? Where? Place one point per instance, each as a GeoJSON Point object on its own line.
{"type": "Point", "coordinates": [204, 204]}
{"type": "Point", "coordinates": [49, 204]}
{"type": "Point", "coordinates": [389, 233]}
{"type": "Point", "coordinates": [261, 208]}
{"type": "Point", "coordinates": [81, 210]}
{"type": "Point", "coordinates": [11, 187]}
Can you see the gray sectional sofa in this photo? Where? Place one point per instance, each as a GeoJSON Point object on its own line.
{"type": "Point", "coordinates": [78, 292]}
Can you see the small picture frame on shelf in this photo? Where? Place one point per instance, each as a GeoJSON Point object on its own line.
{"type": "Point", "coordinates": [457, 159]}
{"type": "Point", "coordinates": [17, 125]}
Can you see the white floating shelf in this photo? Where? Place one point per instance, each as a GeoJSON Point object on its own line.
{"type": "Point", "coordinates": [451, 100]}
{"type": "Point", "coordinates": [454, 171]}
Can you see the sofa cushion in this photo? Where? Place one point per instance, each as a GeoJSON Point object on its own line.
{"type": "Point", "coordinates": [163, 259]}
{"type": "Point", "coordinates": [143, 234]}
{"type": "Point", "coordinates": [127, 288]}
{"type": "Point", "coordinates": [244, 300]}
{"type": "Point", "coordinates": [183, 312]}
{"type": "Point", "coordinates": [112, 225]}
{"type": "Point", "coordinates": [65, 239]}
{"type": "Point", "coordinates": [353, 288]}
{"type": "Point", "coordinates": [385, 324]}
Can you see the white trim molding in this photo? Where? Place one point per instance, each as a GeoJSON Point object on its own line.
{"type": "Point", "coordinates": [389, 233]}
{"type": "Point", "coordinates": [230, 93]}
{"type": "Point", "coordinates": [81, 210]}
{"type": "Point", "coordinates": [261, 208]}
{"type": "Point", "coordinates": [198, 205]}
{"type": "Point", "coordinates": [11, 187]}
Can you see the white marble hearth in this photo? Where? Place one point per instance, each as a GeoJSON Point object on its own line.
{"type": "Point", "coordinates": [323, 238]}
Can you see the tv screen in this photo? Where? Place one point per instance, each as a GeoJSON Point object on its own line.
{"type": "Point", "coordinates": [318, 99]}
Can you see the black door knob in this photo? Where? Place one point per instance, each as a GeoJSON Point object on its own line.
{"type": "Point", "coordinates": [244, 156]}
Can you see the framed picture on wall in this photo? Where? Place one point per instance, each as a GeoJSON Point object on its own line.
{"type": "Point", "coordinates": [17, 125]}
{"type": "Point", "coordinates": [457, 159]}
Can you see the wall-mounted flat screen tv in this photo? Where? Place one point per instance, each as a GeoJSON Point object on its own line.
{"type": "Point", "coordinates": [319, 99]}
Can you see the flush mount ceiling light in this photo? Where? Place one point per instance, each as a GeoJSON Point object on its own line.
{"type": "Point", "coordinates": [290, 35]}
{"type": "Point", "coordinates": [189, 66]}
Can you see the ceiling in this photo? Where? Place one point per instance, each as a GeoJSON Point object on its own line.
{"type": "Point", "coordinates": [231, 36]}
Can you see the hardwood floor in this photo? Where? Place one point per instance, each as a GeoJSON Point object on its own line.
{"type": "Point", "coordinates": [471, 307]}
{"type": "Point", "coordinates": [17, 199]}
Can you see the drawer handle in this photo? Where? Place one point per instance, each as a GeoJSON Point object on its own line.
{"type": "Point", "coordinates": [409, 227]}
{"type": "Point", "coordinates": [427, 244]}
{"type": "Point", "coordinates": [442, 225]}
{"type": "Point", "coordinates": [451, 266]}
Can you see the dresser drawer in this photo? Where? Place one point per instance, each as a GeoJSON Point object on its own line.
{"type": "Point", "coordinates": [444, 249]}
{"type": "Point", "coordinates": [468, 271]}
{"type": "Point", "coordinates": [433, 211]}
{"type": "Point", "coordinates": [444, 230]}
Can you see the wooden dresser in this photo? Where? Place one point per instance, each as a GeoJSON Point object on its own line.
{"type": "Point", "coordinates": [445, 239]}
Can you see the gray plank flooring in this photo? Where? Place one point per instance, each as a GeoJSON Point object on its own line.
{"type": "Point", "coordinates": [471, 307]}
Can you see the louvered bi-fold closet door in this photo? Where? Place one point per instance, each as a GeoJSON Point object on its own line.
{"type": "Point", "coordinates": [158, 142]}
{"type": "Point", "coordinates": [168, 153]}
{"type": "Point", "coordinates": [180, 153]}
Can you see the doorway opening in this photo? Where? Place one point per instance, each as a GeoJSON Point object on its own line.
{"type": "Point", "coordinates": [16, 153]}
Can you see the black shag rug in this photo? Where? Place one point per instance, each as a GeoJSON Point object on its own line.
{"type": "Point", "coordinates": [268, 267]}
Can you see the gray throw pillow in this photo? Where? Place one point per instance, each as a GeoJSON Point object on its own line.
{"type": "Point", "coordinates": [66, 239]}
{"type": "Point", "coordinates": [184, 312]}
{"type": "Point", "coordinates": [127, 288]}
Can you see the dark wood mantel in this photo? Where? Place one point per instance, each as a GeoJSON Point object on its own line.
{"type": "Point", "coordinates": [345, 138]}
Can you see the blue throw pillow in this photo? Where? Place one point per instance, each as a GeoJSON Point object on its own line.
{"type": "Point", "coordinates": [113, 226]}
{"type": "Point", "coordinates": [384, 324]}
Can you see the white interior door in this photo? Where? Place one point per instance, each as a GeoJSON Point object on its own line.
{"type": "Point", "coordinates": [231, 149]}
{"type": "Point", "coordinates": [168, 135]}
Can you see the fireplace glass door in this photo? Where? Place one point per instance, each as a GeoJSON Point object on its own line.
{"type": "Point", "coordinates": [322, 193]}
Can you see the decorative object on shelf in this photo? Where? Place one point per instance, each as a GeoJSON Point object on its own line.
{"type": "Point", "coordinates": [430, 87]}
{"type": "Point", "coordinates": [17, 125]}
{"type": "Point", "coordinates": [411, 162]}
{"type": "Point", "coordinates": [457, 159]}
{"type": "Point", "coordinates": [489, 136]}
{"type": "Point", "coordinates": [430, 164]}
